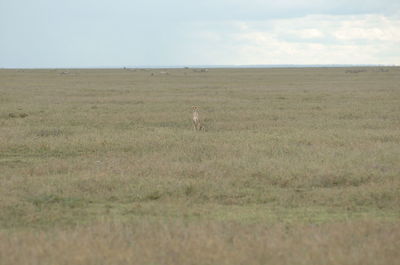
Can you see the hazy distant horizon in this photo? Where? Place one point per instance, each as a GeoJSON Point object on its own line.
{"type": "Point", "coordinates": [212, 66]}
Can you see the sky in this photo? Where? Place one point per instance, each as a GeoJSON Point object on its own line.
{"type": "Point", "coordinates": [117, 33]}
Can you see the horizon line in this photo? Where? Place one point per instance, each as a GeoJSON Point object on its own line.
{"type": "Point", "coordinates": [215, 66]}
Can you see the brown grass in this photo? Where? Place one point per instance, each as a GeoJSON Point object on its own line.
{"type": "Point", "coordinates": [207, 243]}
{"type": "Point", "coordinates": [315, 150]}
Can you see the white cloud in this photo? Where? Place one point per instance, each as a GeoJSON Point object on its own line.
{"type": "Point", "coordinates": [370, 27]}
{"type": "Point", "coordinates": [309, 33]}
{"type": "Point", "coordinates": [314, 39]}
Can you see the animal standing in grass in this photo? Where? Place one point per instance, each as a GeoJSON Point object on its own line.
{"type": "Point", "coordinates": [197, 126]}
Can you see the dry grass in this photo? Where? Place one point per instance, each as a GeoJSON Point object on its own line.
{"type": "Point", "coordinates": [283, 146]}
{"type": "Point", "coordinates": [361, 243]}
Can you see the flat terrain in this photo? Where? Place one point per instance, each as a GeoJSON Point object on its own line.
{"type": "Point", "coordinates": [296, 166]}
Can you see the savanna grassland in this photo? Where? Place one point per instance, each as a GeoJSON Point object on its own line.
{"type": "Point", "coordinates": [296, 166]}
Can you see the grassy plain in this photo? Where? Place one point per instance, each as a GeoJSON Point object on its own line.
{"type": "Point", "coordinates": [297, 166]}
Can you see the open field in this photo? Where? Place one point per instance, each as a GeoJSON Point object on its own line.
{"type": "Point", "coordinates": [296, 166]}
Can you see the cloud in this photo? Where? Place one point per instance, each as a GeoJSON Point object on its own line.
{"type": "Point", "coordinates": [308, 33]}
{"type": "Point", "coordinates": [258, 10]}
{"type": "Point", "coordinates": [314, 39]}
{"type": "Point", "coordinates": [50, 33]}
{"type": "Point", "coordinates": [370, 28]}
